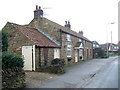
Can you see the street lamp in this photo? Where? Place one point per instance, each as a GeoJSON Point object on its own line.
{"type": "Point", "coordinates": [107, 35]}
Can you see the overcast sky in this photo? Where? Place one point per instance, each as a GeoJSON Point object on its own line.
{"type": "Point", "coordinates": [93, 17]}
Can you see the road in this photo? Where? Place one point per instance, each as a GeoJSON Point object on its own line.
{"type": "Point", "coordinates": [95, 73]}
{"type": "Point", "coordinates": [106, 77]}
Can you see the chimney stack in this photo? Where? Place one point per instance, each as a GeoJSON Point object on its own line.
{"type": "Point", "coordinates": [38, 13]}
{"type": "Point", "coordinates": [67, 24]}
{"type": "Point", "coordinates": [81, 33]}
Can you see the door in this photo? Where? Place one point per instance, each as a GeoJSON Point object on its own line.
{"type": "Point", "coordinates": [81, 54]}
{"type": "Point", "coordinates": [76, 55]}
{"type": "Point", "coordinates": [87, 53]}
{"type": "Point", "coordinates": [29, 59]}
{"type": "Point", "coordinates": [56, 53]}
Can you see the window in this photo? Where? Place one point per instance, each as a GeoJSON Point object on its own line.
{"type": "Point", "coordinates": [68, 37]}
{"type": "Point", "coordinates": [97, 45]}
{"type": "Point", "coordinates": [69, 51]}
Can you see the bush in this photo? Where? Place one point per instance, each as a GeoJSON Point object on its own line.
{"type": "Point", "coordinates": [10, 60]}
{"type": "Point", "coordinates": [57, 66]}
{"type": "Point", "coordinates": [98, 53]}
{"type": "Point", "coordinates": [4, 40]}
{"type": "Point", "coordinates": [58, 61]}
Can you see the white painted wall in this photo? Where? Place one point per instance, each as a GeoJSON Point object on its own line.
{"type": "Point", "coordinates": [56, 53]}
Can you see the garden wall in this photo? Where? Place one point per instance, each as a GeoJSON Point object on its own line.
{"type": "Point", "coordinates": [13, 78]}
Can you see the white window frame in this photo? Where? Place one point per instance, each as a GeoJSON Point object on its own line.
{"type": "Point", "coordinates": [68, 37]}
{"type": "Point", "coordinates": [69, 51]}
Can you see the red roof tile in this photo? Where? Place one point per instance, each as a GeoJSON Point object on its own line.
{"type": "Point", "coordinates": [36, 37]}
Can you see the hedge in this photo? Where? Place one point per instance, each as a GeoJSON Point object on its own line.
{"type": "Point", "coordinates": [4, 40]}
{"type": "Point", "coordinates": [10, 60]}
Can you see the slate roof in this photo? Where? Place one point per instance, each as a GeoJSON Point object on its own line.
{"type": "Point", "coordinates": [104, 46]}
{"type": "Point", "coordinates": [42, 21]}
{"type": "Point", "coordinates": [35, 36]}
{"type": "Point", "coordinates": [78, 44]}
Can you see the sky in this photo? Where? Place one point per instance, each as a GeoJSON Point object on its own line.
{"type": "Point", "coordinates": [93, 17]}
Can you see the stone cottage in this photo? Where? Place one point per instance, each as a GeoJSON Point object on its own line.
{"type": "Point", "coordinates": [43, 40]}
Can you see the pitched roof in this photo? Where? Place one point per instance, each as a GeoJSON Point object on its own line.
{"type": "Point", "coordinates": [35, 36]}
{"type": "Point", "coordinates": [42, 21]}
{"type": "Point", "coordinates": [104, 46]}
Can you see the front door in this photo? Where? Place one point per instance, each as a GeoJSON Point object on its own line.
{"type": "Point", "coordinates": [81, 54]}
{"type": "Point", "coordinates": [76, 55]}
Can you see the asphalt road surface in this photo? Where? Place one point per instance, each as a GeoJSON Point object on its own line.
{"type": "Point", "coordinates": [107, 77]}
{"type": "Point", "coordinates": [95, 73]}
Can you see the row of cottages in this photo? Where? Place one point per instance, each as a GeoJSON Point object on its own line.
{"type": "Point", "coordinates": [42, 40]}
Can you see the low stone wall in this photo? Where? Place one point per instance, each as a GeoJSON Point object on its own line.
{"type": "Point", "coordinates": [13, 78]}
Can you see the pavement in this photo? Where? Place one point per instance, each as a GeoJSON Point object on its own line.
{"type": "Point", "coordinates": [75, 77]}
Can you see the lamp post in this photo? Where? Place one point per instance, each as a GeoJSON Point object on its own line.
{"type": "Point", "coordinates": [107, 35]}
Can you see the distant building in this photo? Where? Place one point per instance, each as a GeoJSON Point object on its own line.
{"type": "Point", "coordinates": [119, 47]}
{"type": "Point", "coordinates": [95, 44]}
{"type": "Point", "coordinates": [43, 40]}
{"type": "Point", "coordinates": [97, 50]}
{"type": "Point", "coordinates": [112, 48]}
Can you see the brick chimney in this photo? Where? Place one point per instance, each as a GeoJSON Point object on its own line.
{"type": "Point", "coordinates": [38, 12]}
{"type": "Point", "coordinates": [67, 24]}
{"type": "Point", "coordinates": [81, 33]}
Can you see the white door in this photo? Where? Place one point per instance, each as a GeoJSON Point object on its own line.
{"type": "Point", "coordinates": [76, 55]}
{"type": "Point", "coordinates": [56, 53]}
{"type": "Point", "coordinates": [29, 59]}
{"type": "Point", "coordinates": [81, 54]}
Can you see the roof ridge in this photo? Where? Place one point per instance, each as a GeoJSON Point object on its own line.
{"type": "Point", "coordinates": [67, 30]}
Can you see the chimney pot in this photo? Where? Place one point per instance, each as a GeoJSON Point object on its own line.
{"type": "Point", "coordinates": [39, 7]}
{"type": "Point", "coordinates": [36, 7]}
{"type": "Point", "coordinates": [66, 22]}
{"type": "Point", "coordinates": [81, 33]}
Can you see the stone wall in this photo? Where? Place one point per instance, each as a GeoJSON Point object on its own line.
{"type": "Point", "coordinates": [58, 33]}
{"type": "Point", "coordinates": [87, 46]}
{"type": "Point", "coordinates": [16, 39]}
{"type": "Point", "coordinates": [42, 54]}
{"type": "Point", "coordinates": [46, 26]}
{"type": "Point", "coordinates": [13, 78]}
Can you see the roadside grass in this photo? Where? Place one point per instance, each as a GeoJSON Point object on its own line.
{"type": "Point", "coordinates": [111, 55]}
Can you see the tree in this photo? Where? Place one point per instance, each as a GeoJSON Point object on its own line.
{"type": "Point", "coordinates": [98, 53]}
{"type": "Point", "coordinates": [4, 41]}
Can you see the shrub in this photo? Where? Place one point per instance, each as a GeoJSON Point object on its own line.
{"type": "Point", "coordinates": [58, 61]}
{"type": "Point", "coordinates": [4, 40]}
{"type": "Point", "coordinates": [10, 60]}
{"type": "Point", "coordinates": [57, 66]}
{"type": "Point", "coordinates": [98, 53]}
